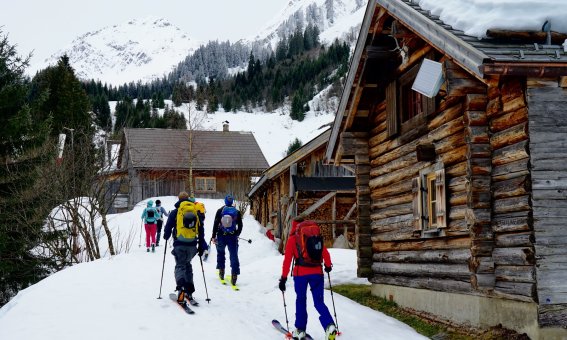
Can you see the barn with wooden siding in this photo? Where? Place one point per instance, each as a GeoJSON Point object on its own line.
{"type": "Point", "coordinates": [461, 196]}
{"type": "Point", "coordinates": [302, 183]}
{"type": "Point", "coordinates": [157, 162]}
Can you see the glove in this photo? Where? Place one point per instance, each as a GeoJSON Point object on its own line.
{"type": "Point", "coordinates": [200, 251]}
{"type": "Point", "coordinates": [328, 269]}
{"type": "Point", "coordinates": [282, 283]}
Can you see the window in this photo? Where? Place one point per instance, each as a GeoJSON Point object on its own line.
{"type": "Point", "coordinates": [406, 109]}
{"type": "Point", "coordinates": [429, 200]}
{"type": "Point", "coordinates": [205, 184]}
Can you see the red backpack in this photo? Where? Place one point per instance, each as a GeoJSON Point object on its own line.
{"type": "Point", "coordinates": [309, 244]}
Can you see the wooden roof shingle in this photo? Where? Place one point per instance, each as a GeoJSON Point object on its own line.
{"type": "Point", "coordinates": [212, 150]}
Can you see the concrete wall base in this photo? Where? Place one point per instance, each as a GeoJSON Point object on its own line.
{"type": "Point", "coordinates": [472, 311]}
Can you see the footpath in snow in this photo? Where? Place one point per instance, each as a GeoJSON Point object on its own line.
{"type": "Point", "coordinates": [116, 298]}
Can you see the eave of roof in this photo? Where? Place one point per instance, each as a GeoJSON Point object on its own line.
{"type": "Point", "coordinates": [360, 45]}
{"type": "Point", "coordinates": [286, 162]}
{"type": "Point", "coordinates": [444, 40]}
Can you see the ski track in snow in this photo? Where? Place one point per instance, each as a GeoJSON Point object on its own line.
{"type": "Point", "coordinates": [116, 298]}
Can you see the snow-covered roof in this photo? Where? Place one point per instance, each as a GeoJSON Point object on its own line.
{"type": "Point", "coordinates": [475, 17]}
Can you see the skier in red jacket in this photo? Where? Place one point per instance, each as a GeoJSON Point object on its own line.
{"type": "Point", "coordinates": [302, 277]}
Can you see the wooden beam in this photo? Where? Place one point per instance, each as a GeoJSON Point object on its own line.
{"type": "Point", "coordinates": [354, 105]}
{"type": "Point", "coordinates": [351, 210]}
{"type": "Point", "coordinates": [318, 203]}
{"type": "Point", "coordinates": [414, 57]}
{"type": "Point", "coordinates": [527, 36]}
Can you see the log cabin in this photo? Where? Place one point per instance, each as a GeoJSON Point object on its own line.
{"type": "Point", "coordinates": [461, 192]}
{"type": "Point", "coordinates": [302, 183]}
{"type": "Point", "coordinates": [156, 162]}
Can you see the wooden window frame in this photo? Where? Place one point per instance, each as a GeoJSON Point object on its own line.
{"type": "Point", "coordinates": [205, 180]}
{"type": "Point", "coordinates": [398, 95]}
{"type": "Point", "coordinates": [429, 193]}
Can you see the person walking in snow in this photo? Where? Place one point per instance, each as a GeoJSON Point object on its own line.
{"type": "Point", "coordinates": [149, 217]}
{"type": "Point", "coordinates": [226, 230]}
{"type": "Point", "coordinates": [307, 272]}
{"type": "Point", "coordinates": [161, 213]}
{"type": "Point", "coordinates": [188, 240]}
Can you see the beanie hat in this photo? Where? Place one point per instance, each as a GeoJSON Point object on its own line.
{"type": "Point", "coordinates": [158, 202]}
{"type": "Point", "coordinates": [228, 200]}
{"type": "Point", "coordinates": [183, 195]}
{"type": "Point", "coordinates": [150, 203]}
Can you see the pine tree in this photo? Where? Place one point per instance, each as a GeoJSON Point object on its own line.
{"type": "Point", "coordinates": [293, 146]}
{"type": "Point", "coordinates": [24, 148]}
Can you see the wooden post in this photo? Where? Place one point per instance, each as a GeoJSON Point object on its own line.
{"type": "Point", "coordinates": [292, 172]}
{"type": "Point", "coordinates": [334, 217]}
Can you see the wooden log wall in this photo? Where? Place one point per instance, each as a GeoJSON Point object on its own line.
{"type": "Point", "coordinates": [547, 102]}
{"type": "Point", "coordinates": [357, 146]}
{"type": "Point", "coordinates": [478, 186]}
{"type": "Point", "coordinates": [513, 253]}
{"type": "Point", "coordinates": [403, 255]}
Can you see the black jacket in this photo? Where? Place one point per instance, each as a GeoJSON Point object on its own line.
{"type": "Point", "coordinates": [217, 223]}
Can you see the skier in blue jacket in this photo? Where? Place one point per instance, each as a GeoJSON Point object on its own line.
{"type": "Point", "coordinates": [149, 216]}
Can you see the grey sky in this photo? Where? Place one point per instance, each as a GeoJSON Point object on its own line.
{"type": "Point", "coordinates": [44, 26]}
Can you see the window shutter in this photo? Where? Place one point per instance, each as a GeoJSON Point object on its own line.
{"type": "Point", "coordinates": [417, 203]}
{"type": "Point", "coordinates": [441, 198]}
{"type": "Point", "coordinates": [391, 109]}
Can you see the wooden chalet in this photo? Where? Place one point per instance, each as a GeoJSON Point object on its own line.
{"type": "Point", "coordinates": [301, 182]}
{"type": "Point", "coordinates": [461, 197]}
{"type": "Point", "coordinates": [156, 162]}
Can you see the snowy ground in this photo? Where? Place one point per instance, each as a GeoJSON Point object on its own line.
{"type": "Point", "coordinates": [116, 297]}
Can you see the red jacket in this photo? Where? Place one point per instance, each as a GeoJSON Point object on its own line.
{"type": "Point", "coordinates": [291, 253]}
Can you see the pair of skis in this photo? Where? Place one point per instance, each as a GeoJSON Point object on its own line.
{"type": "Point", "coordinates": [278, 326]}
{"type": "Point", "coordinates": [185, 304]}
{"type": "Point", "coordinates": [228, 279]}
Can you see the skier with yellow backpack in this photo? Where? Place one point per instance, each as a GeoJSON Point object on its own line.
{"type": "Point", "coordinates": [188, 240]}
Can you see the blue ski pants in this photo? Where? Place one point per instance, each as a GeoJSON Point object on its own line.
{"type": "Point", "coordinates": [230, 242]}
{"type": "Point", "coordinates": [316, 282]}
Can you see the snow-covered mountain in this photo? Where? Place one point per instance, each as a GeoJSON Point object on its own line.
{"type": "Point", "coordinates": [146, 49]}
{"type": "Point", "coordinates": [335, 19]}
{"type": "Point", "coordinates": [141, 49]}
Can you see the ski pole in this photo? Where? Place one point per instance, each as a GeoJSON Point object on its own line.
{"type": "Point", "coordinates": [333, 299]}
{"type": "Point", "coordinates": [208, 250]}
{"type": "Point", "coordinates": [162, 267]}
{"type": "Point", "coordinates": [285, 310]}
{"type": "Point", "coordinates": [247, 240]}
{"type": "Point", "coordinates": [141, 225]}
{"type": "Point", "coordinates": [203, 270]}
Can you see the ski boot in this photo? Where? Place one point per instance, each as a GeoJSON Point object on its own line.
{"type": "Point", "coordinates": [298, 334]}
{"type": "Point", "coordinates": [331, 332]}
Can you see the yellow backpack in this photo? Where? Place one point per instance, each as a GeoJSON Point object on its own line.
{"type": "Point", "coordinates": [200, 207]}
{"type": "Point", "coordinates": [187, 222]}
